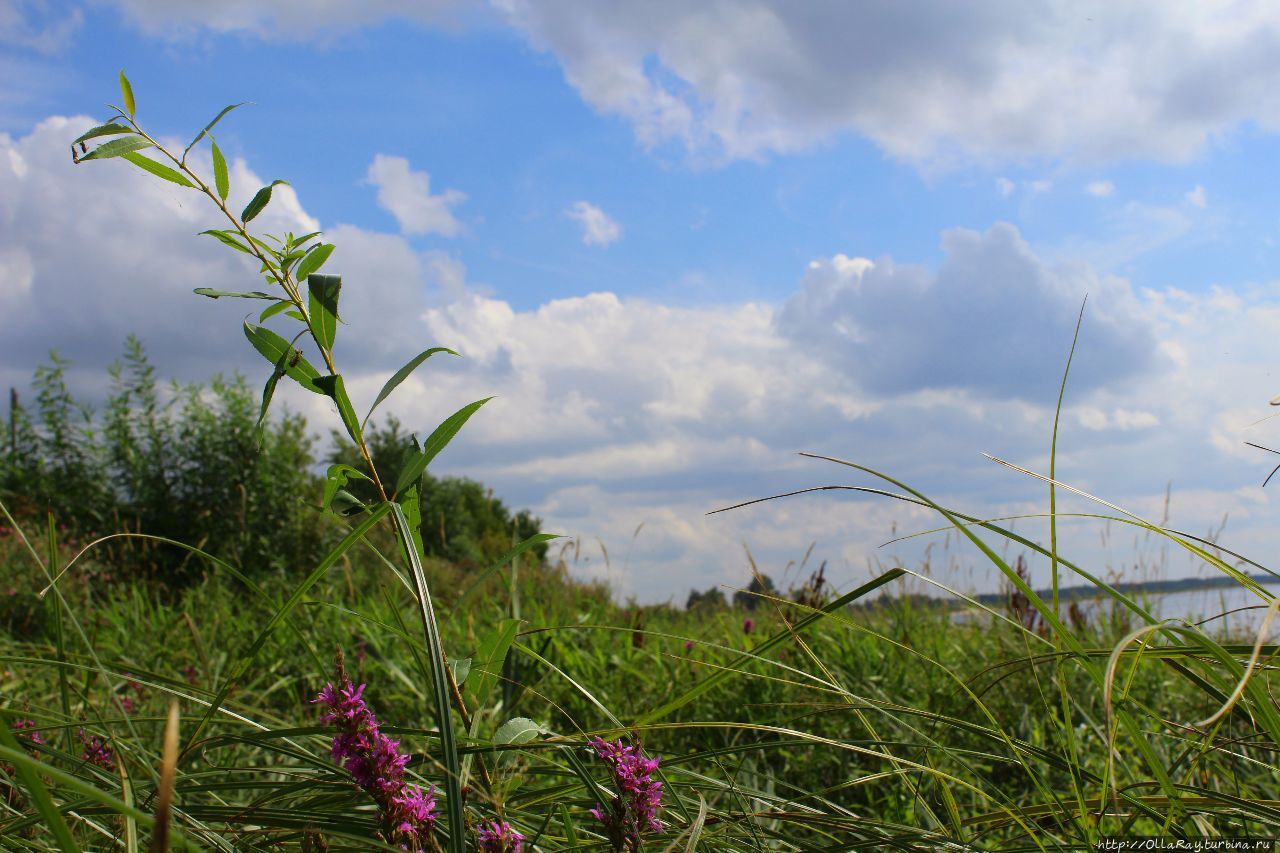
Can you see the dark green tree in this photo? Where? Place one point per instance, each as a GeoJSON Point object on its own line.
{"type": "Point", "coordinates": [462, 521]}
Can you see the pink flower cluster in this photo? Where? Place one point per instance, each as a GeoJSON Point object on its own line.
{"type": "Point", "coordinates": [498, 837]}
{"type": "Point", "coordinates": [26, 730]}
{"type": "Point", "coordinates": [407, 814]}
{"type": "Point", "coordinates": [96, 751]}
{"type": "Point", "coordinates": [634, 811]}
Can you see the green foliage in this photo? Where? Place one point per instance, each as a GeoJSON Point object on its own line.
{"type": "Point", "coordinates": [811, 726]}
{"type": "Point", "coordinates": [752, 597]}
{"type": "Point", "coordinates": [711, 599]}
{"type": "Point", "coordinates": [178, 463]}
{"type": "Point", "coordinates": [462, 521]}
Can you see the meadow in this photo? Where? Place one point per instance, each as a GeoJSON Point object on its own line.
{"type": "Point", "coordinates": [207, 647]}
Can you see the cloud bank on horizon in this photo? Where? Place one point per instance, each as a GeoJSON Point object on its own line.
{"type": "Point", "coordinates": [617, 407]}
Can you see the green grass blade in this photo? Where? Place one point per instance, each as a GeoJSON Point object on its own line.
{"type": "Point", "coordinates": [441, 684]}
{"type": "Point", "coordinates": [729, 670]}
{"type": "Point", "coordinates": [535, 539]}
{"type": "Point", "coordinates": [354, 536]}
{"type": "Point", "coordinates": [29, 771]}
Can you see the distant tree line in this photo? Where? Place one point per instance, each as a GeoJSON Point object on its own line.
{"type": "Point", "coordinates": [182, 462]}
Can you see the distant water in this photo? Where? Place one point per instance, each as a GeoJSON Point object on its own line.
{"type": "Point", "coordinates": [1199, 604]}
{"type": "Point", "coordinates": [1244, 610]}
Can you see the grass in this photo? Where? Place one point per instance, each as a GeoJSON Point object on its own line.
{"type": "Point", "coordinates": [812, 724]}
{"type": "Point", "coordinates": [828, 727]}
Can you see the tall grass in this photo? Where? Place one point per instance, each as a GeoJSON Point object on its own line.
{"type": "Point", "coordinates": [820, 726]}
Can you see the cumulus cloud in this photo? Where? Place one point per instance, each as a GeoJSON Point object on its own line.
{"type": "Point", "coordinates": [406, 195]}
{"type": "Point", "coordinates": [598, 228]}
{"type": "Point", "coordinates": [898, 328]}
{"type": "Point", "coordinates": [32, 25]}
{"type": "Point", "coordinates": [930, 81]}
{"type": "Point", "coordinates": [281, 19]}
{"type": "Point", "coordinates": [615, 411]}
{"type": "Point", "coordinates": [1100, 189]}
{"type": "Point", "coordinates": [1196, 197]}
{"type": "Point", "coordinates": [85, 302]}
{"type": "Point", "coordinates": [1005, 187]}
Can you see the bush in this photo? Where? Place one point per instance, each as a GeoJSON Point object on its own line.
{"type": "Point", "coordinates": [183, 465]}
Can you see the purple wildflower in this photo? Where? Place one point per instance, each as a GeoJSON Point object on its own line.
{"type": "Point", "coordinates": [96, 751]}
{"type": "Point", "coordinates": [498, 837]}
{"type": "Point", "coordinates": [688, 645]}
{"type": "Point", "coordinates": [407, 815]}
{"type": "Point", "coordinates": [748, 625]}
{"type": "Point", "coordinates": [634, 811]}
{"type": "Point", "coordinates": [26, 730]}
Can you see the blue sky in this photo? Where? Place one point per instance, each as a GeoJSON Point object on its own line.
{"type": "Point", "coordinates": [683, 241]}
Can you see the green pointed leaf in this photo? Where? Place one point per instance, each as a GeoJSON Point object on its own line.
{"type": "Point", "coordinates": [108, 129]}
{"type": "Point", "coordinates": [535, 539]}
{"type": "Point", "coordinates": [517, 730]}
{"type": "Point", "coordinates": [461, 668]}
{"type": "Point", "coordinates": [30, 778]}
{"type": "Point", "coordinates": [488, 660]}
{"type": "Point", "coordinates": [323, 307]}
{"type": "Point", "coordinates": [208, 127]}
{"type": "Point", "coordinates": [220, 179]}
{"type": "Point", "coordinates": [259, 202]}
{"type": "Point", "coordinates": [117, 147]}
{"type": "Point", "coordinates": [411, 505]}
{"type": "Point", "coordinates": [436, 442]}
{"type": "Point", "coordinates": [127, 90]}
{"type": "Point", "coordinates": [218, 294]}
{"type": "Point", "coordinates": [273, 310]}
{"type": "Point", "coordinates": [313, 260]}
{"type": "Point", "coordinates": [229, 239]}
{"type": "Point", "coordinates": [273, 348]}
{"type": "Point", "coordinates": [268, 391]}
{"type": "Point", "coordinates": [158, 169]}
{"type": "Point", "coordinates": [336, 480]}
{"type": "Point", "coordinates": [402, 374]}
{"type": "Point", "coordinates": [346, 504]}
{"type": "Point", "coordinates": [297, 315]}
{"type": "Point", "coordinates": [333, 388]}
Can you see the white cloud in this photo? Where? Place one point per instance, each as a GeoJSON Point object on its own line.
{"type": "Point", "coordinates": [282, 19]}
{"type": "Point", "coordinates": [1196, 197]}
{"type": "Point", "coordinates": [32, 25]}
{"type": "Point", "coordinates": [406, 195]}
{"type": "Point", "coordinates": [598, 229]}
{"type": "Point", "coordinates": [900, 328]}
{"type": "Point", "coordinates": [1043, 185]}
{"type": "Point", "coordinates": [1005, 187]}
{"type": "Point", "coordinates": [930, 81]}
{"type": "Point", "coordinates": [1100, 189]}
{"type": "Point", "coordinates": [615, 411]}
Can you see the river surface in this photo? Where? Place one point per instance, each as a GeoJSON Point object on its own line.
{"type": "Point", "coordinates": [1234, 611]}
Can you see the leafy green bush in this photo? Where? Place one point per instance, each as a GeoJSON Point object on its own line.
{"type": "Point", "coordinates": [179, 465]}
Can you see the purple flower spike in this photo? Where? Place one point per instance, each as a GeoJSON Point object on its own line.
{"type": "Point", "coordinates": [407, 816]}
{"type": "Point", "coordinates": [498, 837]}
{"type": "Point", "coordinates": [96, 751]}
{"type": "Point", "coordinates": [26, 730]}
{"type": "Point", "coordinates": [634, 811]}
{"type": "Point", "coordinates": [748, 625]}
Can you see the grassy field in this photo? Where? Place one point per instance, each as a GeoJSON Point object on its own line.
{"type": "Point", "coordinates": [335, 684]}
{"type": "Point", "coordinates": [810, 728]}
